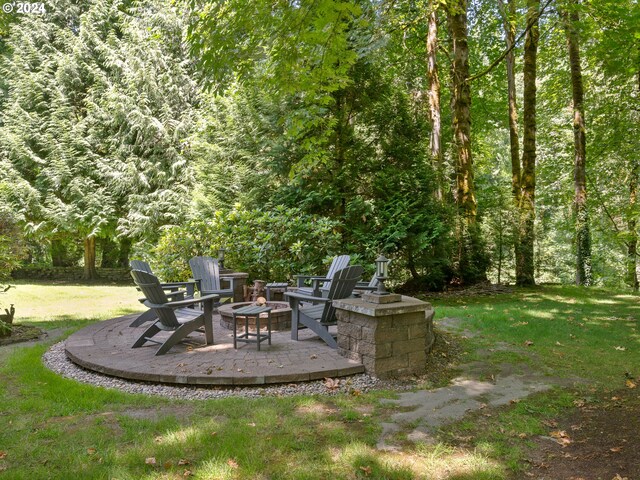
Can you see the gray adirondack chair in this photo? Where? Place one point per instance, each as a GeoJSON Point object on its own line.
{"type": "Point", "coordinates": [173, 290]}
{"type": "Point", "coordinates": [320, 285]}
{"type": "Point", "coordinates": [320, 314]}
{"type": "Point", "coordinates": [171, 316]}
{"type": "Point", "coordinates": [206, 273]}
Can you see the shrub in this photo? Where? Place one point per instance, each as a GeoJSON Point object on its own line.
{"type": "Point", "coordinates": [271, 245]}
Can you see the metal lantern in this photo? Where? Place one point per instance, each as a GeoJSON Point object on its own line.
{"type": "Point", "coordinates": [221, 251]}
{"type": "Point", "coordinates": [382, 272]}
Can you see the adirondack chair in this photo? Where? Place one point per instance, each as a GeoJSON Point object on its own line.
{"type": "Point", "coordinates": [320, 314]}
{"type": "Point", "coordinates": [320, 285]}
{"type": "Point", "coordinates": [172, 289]}
{"type": "Point", "coordinates": [206, 273]}
{"type": "Point", "coordinates": [170, 315]}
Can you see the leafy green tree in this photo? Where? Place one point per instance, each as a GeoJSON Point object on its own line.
{"type": "Point", "coordinates": [98, 109]}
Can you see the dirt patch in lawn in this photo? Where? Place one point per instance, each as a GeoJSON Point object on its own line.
{"type": "Point", "coordinates": [600, 441]}
{"type": "Point", "coordinates": [21, 333]}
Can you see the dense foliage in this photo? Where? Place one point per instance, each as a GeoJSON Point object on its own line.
{"type": "Point", "coordinates": [289, 132]}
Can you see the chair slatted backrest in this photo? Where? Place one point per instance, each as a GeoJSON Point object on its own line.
{"type": "Point", "coordinates": [206, 270]}
{"type": "Point", "coordinates": [337, 264]}
{"type": "Point", "coordinates": [150, 287]}
{"type": "Point", "coordinates": [140, 265]}
{"type": "Point", "coordinates": [344, 281]}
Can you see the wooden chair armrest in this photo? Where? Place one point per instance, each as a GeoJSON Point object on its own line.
{"type": "Point", "coordinates": [302, 297]}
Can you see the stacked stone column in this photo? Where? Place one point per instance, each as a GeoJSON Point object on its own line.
{"type": "Point", "coordinates": [390, 340]}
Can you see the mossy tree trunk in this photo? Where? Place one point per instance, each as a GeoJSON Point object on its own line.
{"type": "Point", "coordinates": [526, 211]}
{"type": "Point", "coordinates": [583, 234]}
{"type": "Point", "coordinates": [435, 140]}
{"type": "Point", "coordinates": [472, 259]}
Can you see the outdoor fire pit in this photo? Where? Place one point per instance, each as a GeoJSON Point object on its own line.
{"type": "Point", "coordinates": [280, 315]}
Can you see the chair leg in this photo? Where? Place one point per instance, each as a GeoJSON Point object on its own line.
{"type": "Point", "coordinates": [148, 333]}
{"type": "Point", "coordinates": [294, 319]}
{"type": "Point", "coordinates": [321, 330]}
{"type": "Point", "coordinates": [143, 318]}
{"type": "Point", "coordinates": [178, 335]}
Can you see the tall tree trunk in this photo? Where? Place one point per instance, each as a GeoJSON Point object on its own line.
{"type": "Point", "coordinates": [472, 261]}
{"type": "Point", "coordinates": [632, 249]}
{"type": "Point", "coordinates": [525, 274]}
{"type": "Point", "coordinates": [110, 252]}
{"type": "Point", "coordinates": [125, 250]}
{"type": "Point", "coordinates": [632, 252]}
{"type": "Point", "coordinates": [90, 272]}
{"type": "Point", "coordinates": [509, 13]}
{"type": "Point", "coordinates": [434, 100]}
{"type": "Point", "coordinates": [583, 235]}
{"type": "Point", "coordinates": [461, 106]}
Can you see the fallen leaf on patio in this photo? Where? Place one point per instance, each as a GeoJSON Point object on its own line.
{"type": "Point", "coordinates": [313, 357]}
{"type": "Point", "coordinates": [150, 460]}
{"type": "Point", "coordinates": [366, 470]}
{"type": "Point", "coordinates": [189, 348]}
{"type": "Point", "coordinates": [561, 437]}
{"type": "Point", "coordinates": [528, 343]}
{"type": "Point", "coordinates": [182, 461]}
{"type": "Point", "coordinates": [240, 370]}
{"type": "Point", "coordinates": [232, 463]}
{"type": "Point", "coordinates": [622, 349]}
{"type": "Point", "coordinates": [219, 368]}
{"type": "Point", "coordinates": [331, 383]}
{"type": "Point", "coordinates": [280, 366]}
{"type": "Point", "coordinates": [615, 449]}
{"type": "Point", "coordinates": [631, 384]}
{"type": "Point", "coordinates": [180, 365]}
{"type": "Point", "coordinates": [3, 455]}
{"type": "Point", "coordinates": [91, 451]}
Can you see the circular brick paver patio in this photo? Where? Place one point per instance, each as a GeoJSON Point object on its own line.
{"type": "Point", "coordinates": [105, 347]}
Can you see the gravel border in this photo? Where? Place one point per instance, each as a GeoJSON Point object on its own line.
{"type": "Point", "coordinates": [56, 360]}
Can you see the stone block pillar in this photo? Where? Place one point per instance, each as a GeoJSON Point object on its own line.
{"type": "Point", "coordinates": [239, 281]}
{"type": "Point", "coordinates": [391, 340]}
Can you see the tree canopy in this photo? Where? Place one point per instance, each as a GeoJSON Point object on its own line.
{"type": "Point", "coordinates": [440, 133]}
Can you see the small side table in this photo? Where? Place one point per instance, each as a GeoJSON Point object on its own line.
{"type": "Point", "coordinates": [248, 337]}
{"type": "Point", "coordinates": [280, 287]}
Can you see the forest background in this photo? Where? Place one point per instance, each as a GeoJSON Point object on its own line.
{"type": "Point", "coordinates": [465, 140]}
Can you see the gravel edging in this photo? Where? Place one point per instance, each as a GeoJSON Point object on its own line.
{"type": "Point", "coordinates": [56, 360]}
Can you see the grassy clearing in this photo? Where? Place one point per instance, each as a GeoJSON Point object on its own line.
{"type": "Point", "coordinates": [58, 429]}
{"type": "Point", "coordinates": [571, 331]}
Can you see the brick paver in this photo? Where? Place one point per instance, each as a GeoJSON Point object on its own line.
{"type": "Point", "coordinates": [106, 347]}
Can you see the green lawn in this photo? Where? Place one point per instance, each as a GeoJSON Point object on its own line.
{"type": "Point", "coordinates": [56, 428]}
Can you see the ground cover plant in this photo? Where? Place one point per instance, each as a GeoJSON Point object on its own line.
{"type": "Point", "coordinates": [58, 428]}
